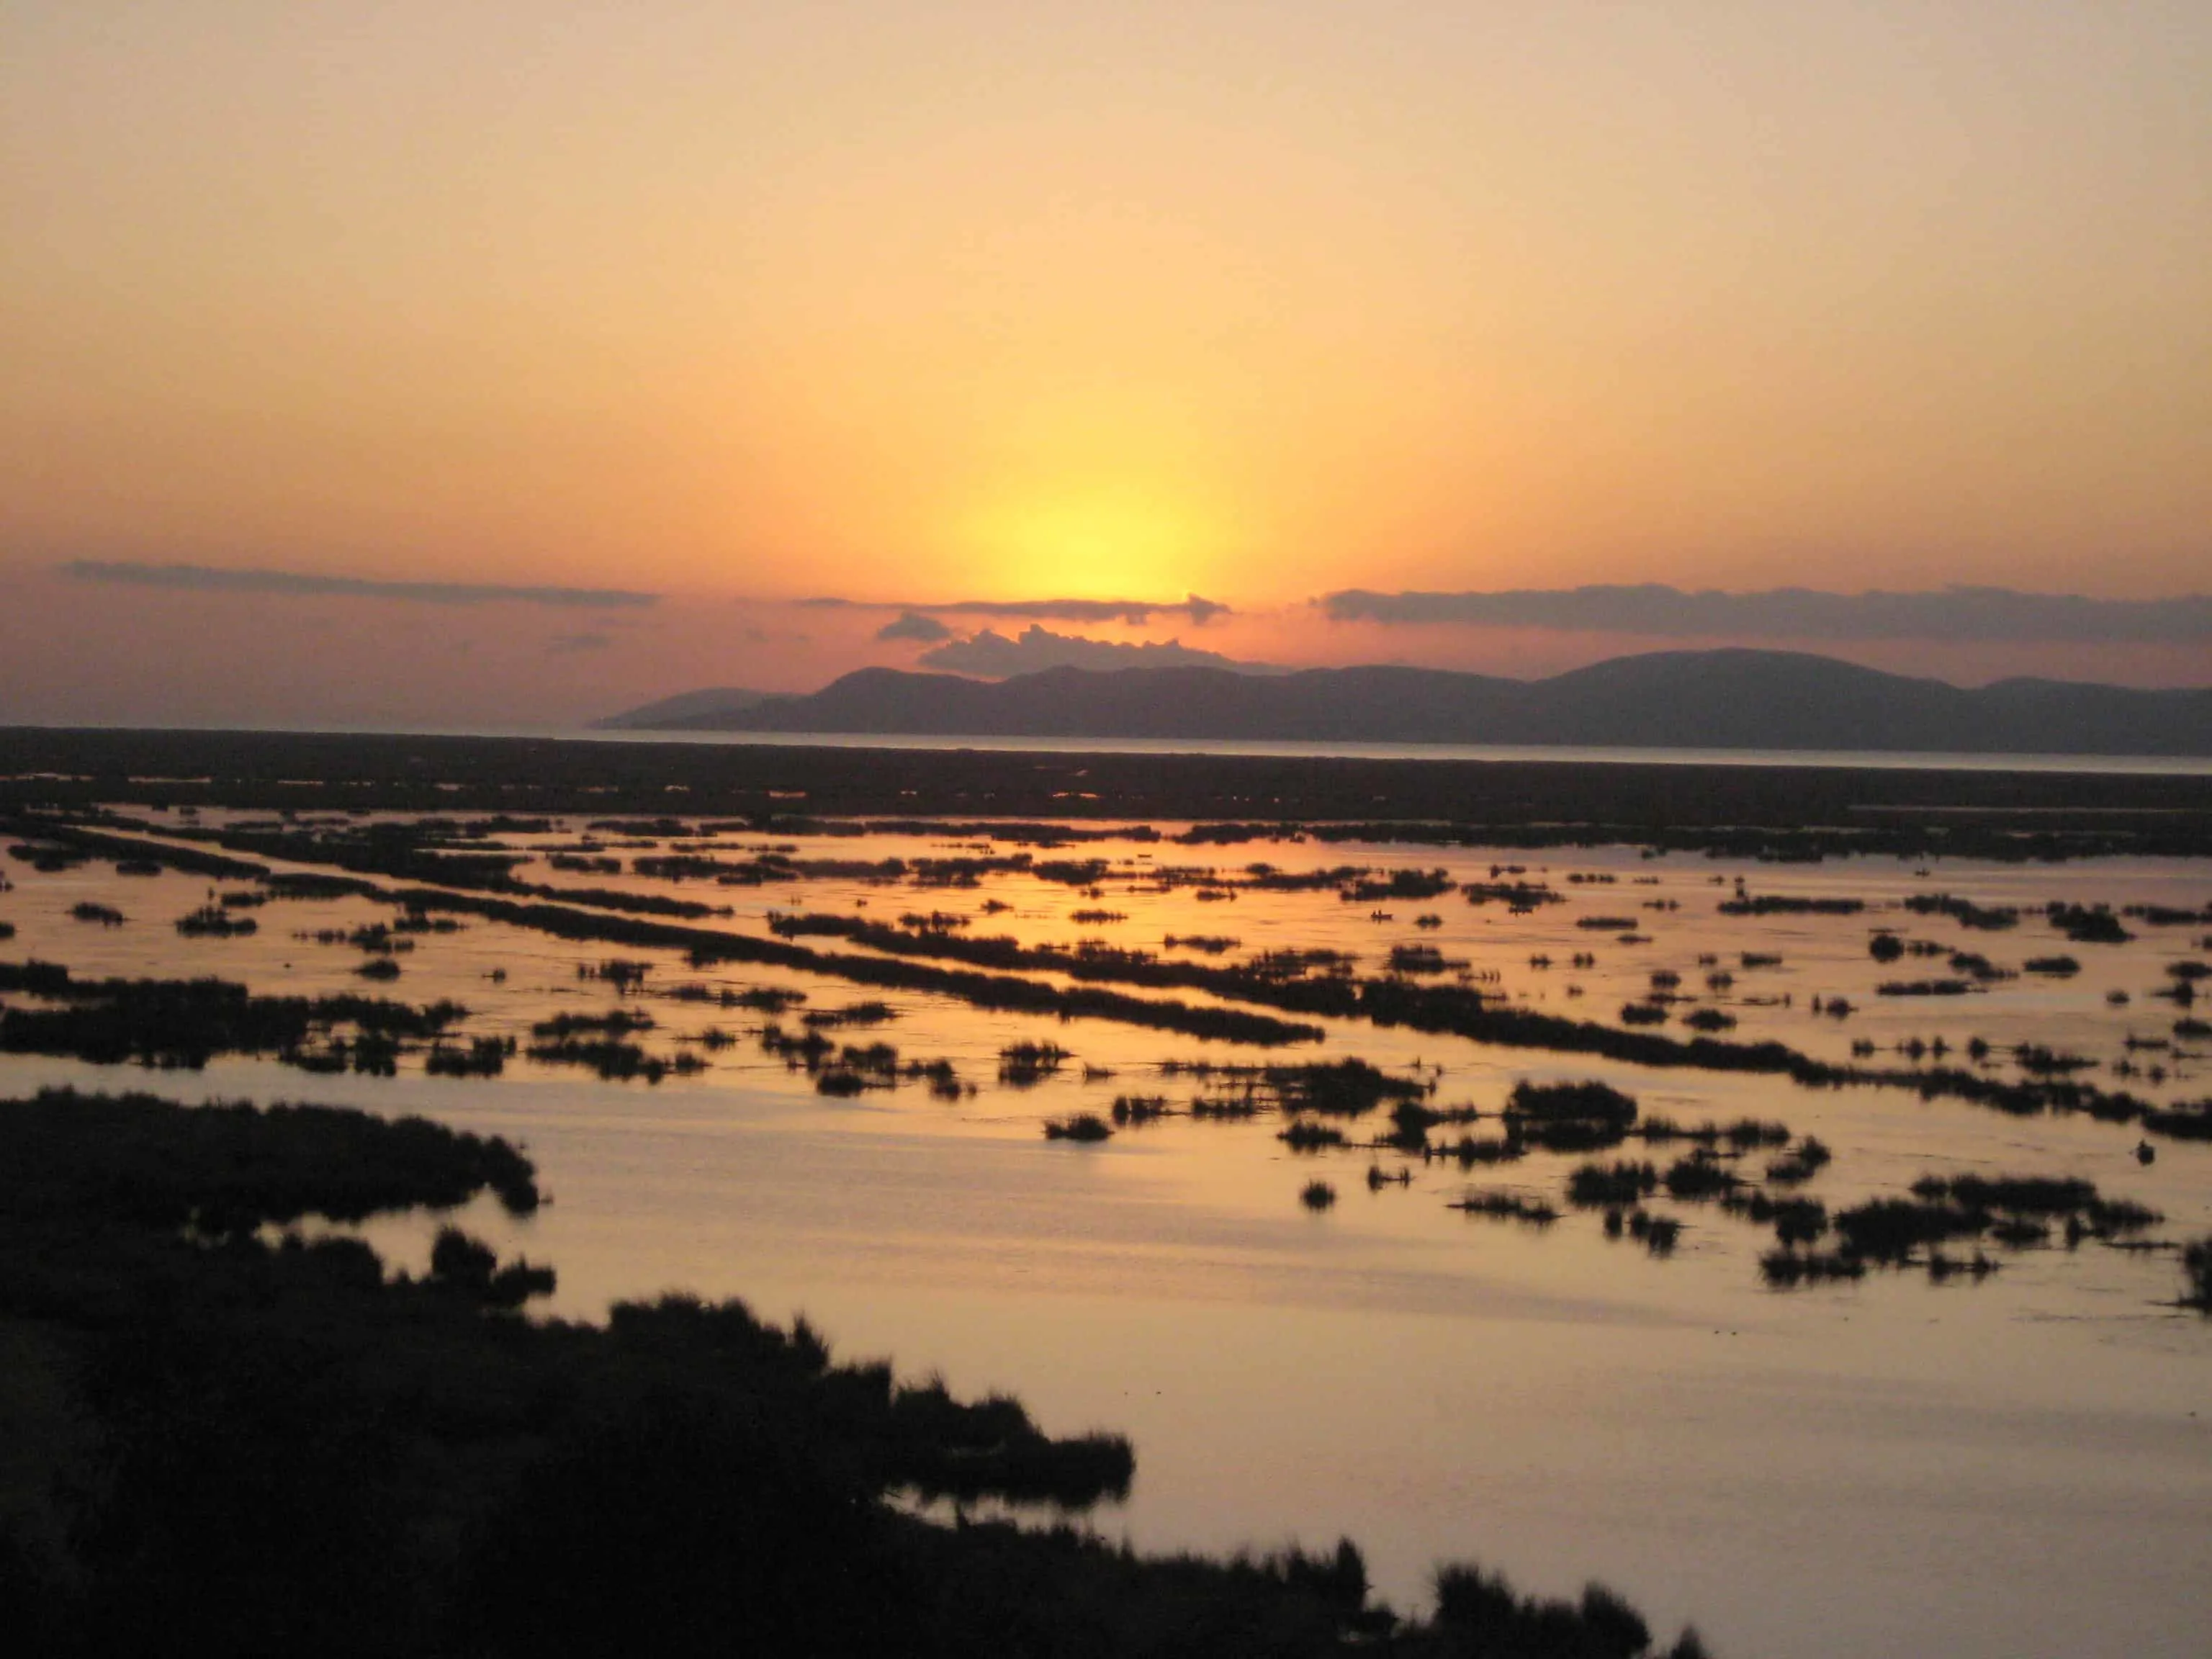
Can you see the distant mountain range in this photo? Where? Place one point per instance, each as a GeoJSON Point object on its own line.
{"type": "Point", "coordinates": [1730, 699]}
{"type": "Point", "coordinates": [697, 711]}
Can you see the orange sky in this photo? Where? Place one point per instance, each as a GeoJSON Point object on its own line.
{"type": "Point", "coordinates": [996, 300]}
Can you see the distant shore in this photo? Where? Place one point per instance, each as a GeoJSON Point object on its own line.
{"type": "Point", "coordinates": [1786, 809]}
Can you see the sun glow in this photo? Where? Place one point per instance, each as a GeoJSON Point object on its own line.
{"type": "Point", "coordinates": [1102, 544]}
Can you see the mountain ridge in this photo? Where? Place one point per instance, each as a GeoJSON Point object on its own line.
{"type": "Point", "coordinates": [1731, 698]}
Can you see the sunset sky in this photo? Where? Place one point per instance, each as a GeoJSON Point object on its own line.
{"type": "Point", "coordinates": [446, 364]}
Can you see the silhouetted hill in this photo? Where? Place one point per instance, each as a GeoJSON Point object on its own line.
{"type": "Point", "coordinates": [1729, 699]}
{"type": "Point", "coordinates": [691, 708]}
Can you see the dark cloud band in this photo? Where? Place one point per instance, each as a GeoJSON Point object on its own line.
{"type": "Point", "coordinates": [306, 584]}
{"type": "Point", "coordinates": [1958, 614]}
{"type": "Point", "coordinates": [1134, 611]}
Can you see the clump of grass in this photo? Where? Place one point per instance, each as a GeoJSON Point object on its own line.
{"type": "Point", "coordinates": [620, 1023]}
{"type": "Point", "coordinates": [858, 1013]}
{"type": "Point", "coordinates": [106, 915]}
{"type": "Point", "coordinates": [1964, 912]}
{"type": "Point", "coordinates": [2197, 1271]}
{"type": "Point", "coordinates": [1700, 1176]}
{"type": "Point", "coordinates": [1795, 1220]}
{"type": "Point", "coordinates": [1977, 1266]}
{"type": "Point", "coordinates": [1889, 1230]}
{"type": "Point", "coordinates": [627, 976]}
{"type": "Point", "coordinates": [1746, 1133]}
{"type": "Point", "coordinates": [1778, 904]}
{"type": "Point", "coordinates": [1470, 1151]}
{"type": "Point", "coordinates": [1794, 1169]}
{"type": "Point", "coordinates": [944, 1083]}
{"type": "Point", "coordinates": [1317, 1195]}
{"type": "Point", "coordinates": [1225, 1108]}
{"type": "Point", "coordinates": [1508, 1206]}
{"type": "Point", "coordinates": [1082, 1127]}
{"type": "Point", "coordinates": [484, 1057]}
{"type": "Point", "coordinates": [1421, 959]}
{"type": "Point", "coordinates": [1212, 944]}
{"type": "Point", "coordinates": [1598, 1186]}
{"type": "Point", "coordinates": [1923, 988]}
{"type": "Point", "coordinates": [1784, 1269]}
{"type": "Point", "coordinates": [1139, 1109]}
{"type": "Point", "coordinates": [1026, 1064]}
{"type": "Point", "coordinates": [612, 1059]}
{"type": "Point", "coordinates": [214, 921]}
{"type": "Point", "coordinates": [1305, 1135]}
{"type": "Point", "coordinates": [1569, 1117]}
{"type": "Point", "coordinates": [2086, 924]}
{"type": "Point", "coordinates": [1658, 1234]}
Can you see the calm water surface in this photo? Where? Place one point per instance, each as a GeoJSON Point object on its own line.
{"type": "Point", "coordinates": [2018, 1467]}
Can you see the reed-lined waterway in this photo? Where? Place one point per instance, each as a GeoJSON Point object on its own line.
{"type": "Point", "coordinates": [1995, 1441]}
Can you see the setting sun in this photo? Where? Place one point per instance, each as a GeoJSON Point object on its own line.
{"type": "Point", "coordinates": [1100, 543]}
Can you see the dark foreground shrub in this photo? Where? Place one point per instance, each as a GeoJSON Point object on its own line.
{"type": "Point", "coordinates": [682, 1529]}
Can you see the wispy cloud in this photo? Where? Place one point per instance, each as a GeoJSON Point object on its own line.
{"type": "Point", "coordinates": [993, 656]}
{"type": "Point", "coordinates": [1133, 611]}
{"type": "Point", "coordinates": [1954, 614]}
{"type": "Point", "coordinates": [564, 644]}
{"type": "Point", "coordinates": [306, 584]}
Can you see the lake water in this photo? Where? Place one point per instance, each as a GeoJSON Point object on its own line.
{"type": "Point", "coordinates": [1588, 754]}
{"type": "Point", "coordinates": [2020, 1466]}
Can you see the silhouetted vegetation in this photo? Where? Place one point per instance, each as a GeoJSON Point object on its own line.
{"type": "Point", "coordinates": [484, 1056]}
{"type": "Point", "coordinates": [1784, 1269]}
{"type": "Point", "coordinates": [298, 1449]}
{"type": "Point", "coordinates": [226, 1170]}
{"type": "Point", "coordinates": [1777, 904]}
{"type": "Point", "coordinates": [1568, 1117]}
{"type": "Point", "coordinates": [1964, 912]}
{"type": "Point", "coordinates": [2085, 924]}
{"type": "Point", "coordinates": [1601, 1186]}
{"type": "Point", "coordinates": [2197, 1271]}
{"type": "Point", "coordinates": [1140, 1108]}
{"type": "Point", "coordinates": [187, 1022]}
{"type": "Point", "coordinates": [214, 921]}
{"type": "Point", "coordinates": [1479, 1614]}
{"type": "Point", "coordinates": [2014, 1210]}
{"type": "Point", "coordinates": [1026, 1064]}
{"type": "Point", "coordinates": [1701, 1175]}
{"type": "Point", "coordinates": [1508, 1206]}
